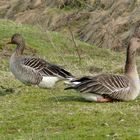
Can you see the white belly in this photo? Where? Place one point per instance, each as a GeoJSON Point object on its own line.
{"type": "Point", "coordinates": [91, 97]}
{"type": "Point", "coordinates": [48, 82]}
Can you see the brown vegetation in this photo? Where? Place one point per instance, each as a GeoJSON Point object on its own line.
{"type": "Point", "coordinates": [105, 23]}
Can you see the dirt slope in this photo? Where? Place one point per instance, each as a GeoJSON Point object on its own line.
{"type": "Point", "coordinates": [105, 23]}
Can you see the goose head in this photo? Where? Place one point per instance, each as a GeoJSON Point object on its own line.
{"type": "Point", "coordinates": [17, 39]}
{"type": "Point", "coordinates": [134, 44]}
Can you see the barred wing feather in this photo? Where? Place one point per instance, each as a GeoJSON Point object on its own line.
{"type": "Point", "coordinates": [111, 85]}
{"type": "Point", "coordinates": [45, 68]}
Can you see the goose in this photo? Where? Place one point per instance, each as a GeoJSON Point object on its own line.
{"type": "Point", "coordinates": [32, 70]}
{"type": "Point", "coordinates": [110, 87]}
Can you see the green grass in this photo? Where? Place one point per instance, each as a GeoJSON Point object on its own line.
{"type": "Point", "coordinates": [31, 113]}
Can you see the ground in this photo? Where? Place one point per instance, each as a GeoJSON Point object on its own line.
{"type": "Point", "coordinates": [31, 113]}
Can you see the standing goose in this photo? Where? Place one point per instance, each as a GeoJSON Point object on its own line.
{"type": "Point", "coordinates": [109, 87]}
{"type": "Point", "coordinates": [32, 70]}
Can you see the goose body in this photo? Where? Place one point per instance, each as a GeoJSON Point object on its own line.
{"type": "Point", "coordinates": [108, 87]}
{"type": "Point", "coordinates": [33, 70]}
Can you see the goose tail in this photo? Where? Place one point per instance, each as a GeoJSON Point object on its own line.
{"type": "Point", "coordinates": [71, 83]}
{"type": "Point", "coordinates": [74, 83]}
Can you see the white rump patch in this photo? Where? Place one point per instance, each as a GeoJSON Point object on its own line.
{"type": "Point", "coordinates": [70, 83]}
{"type": "Point", "coordinates": [76, 83]}
{"type": "Point", "coordinates": [48, 82]}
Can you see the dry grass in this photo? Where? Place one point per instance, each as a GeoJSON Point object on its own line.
{"type": "Point", "coordinates": [98, 22]}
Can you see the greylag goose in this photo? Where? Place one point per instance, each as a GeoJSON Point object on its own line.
{"type": "Point", "coordinates": [109, 87]}
{"type": "Point", "coordinates": [32, 70]}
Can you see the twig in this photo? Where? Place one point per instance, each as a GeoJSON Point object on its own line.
{"type": "Point", "coordinates": [75, 44]}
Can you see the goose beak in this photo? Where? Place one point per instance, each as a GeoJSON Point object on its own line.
{"type": "Point", "coordinates": [9, 43]}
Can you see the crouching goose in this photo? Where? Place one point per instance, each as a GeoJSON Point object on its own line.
{"type": "Point", "coordinates": [32, 70]}
{"type": "Point", "coordinates": [108, 87]}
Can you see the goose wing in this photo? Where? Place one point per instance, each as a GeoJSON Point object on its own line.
{"type": "Point", "coordinates": [45, 68]}
{"type": "Point", "coordinates": [114, 86]}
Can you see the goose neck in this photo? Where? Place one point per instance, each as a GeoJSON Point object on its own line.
{"type": "Point", "coordinates": [130, 66]}
{"type": "Point", "coordinates": [19, 49]}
